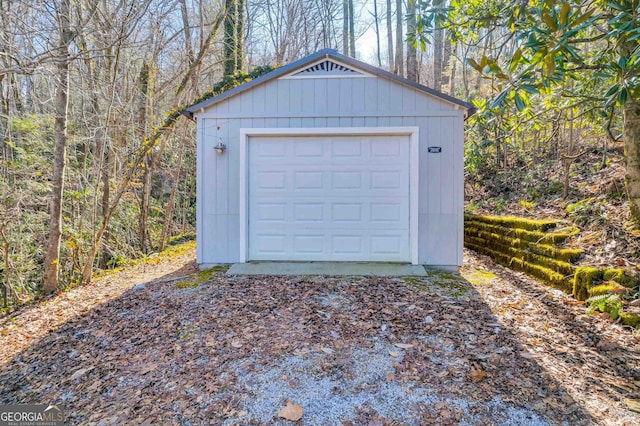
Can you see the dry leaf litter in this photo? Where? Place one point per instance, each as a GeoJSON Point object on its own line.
{"type": "Point", "coordinates": [495, 347]}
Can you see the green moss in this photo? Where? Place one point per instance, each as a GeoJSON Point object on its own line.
{"type": "Point", "coordinates": [453, 284]}
{"type": "Point", "coordinates": [632, 320]}
{"type": "Point", "coordinates": [443, 275]}
{"type": "Point", "coordinates": [550, 276]}
{"type": "Point", "coordinates": [198, 278]}
{"type": "Point", "coordinates": [182, 238]}
{"type": "Point", "coordinates": [612, 274]}
{"type": "Point", "coordinates": [514, 222]}
{"type": "Point", "coordinates": [561, 254]}
{"type": "Point", "coordinates": [220, 268]}
{"type": "Point", "coordinates": [513, 250]}
{"type": "Point", "coordinates": [601, 289]}
{"type": "Point", "coordinates": [547, 275]}
{"type": "Point", "coordinates": [537, 237]}
{"type": "Point", "coordinates": [585, 278]}
{"type": "Point", "coordinates": [620, 276]}
{"type": "Point", "coordinates": [579, 205]}
{"type": "Point", "coordinates": [480, 277]}
{"type": "Point", "coordinates": [411, 280]}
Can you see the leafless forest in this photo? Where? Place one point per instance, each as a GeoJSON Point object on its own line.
{"type": "Point", "coordinates": [98, 167]}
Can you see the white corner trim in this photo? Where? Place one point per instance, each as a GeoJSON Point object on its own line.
{"type": "Point", "coordinates": [244, 193]}
{"type": "Point", "coordinates": [414, 193]}
{"type": "Point", "coordinates": [199, 199]}
{"type": "Point", "coordinates": [411, 131]}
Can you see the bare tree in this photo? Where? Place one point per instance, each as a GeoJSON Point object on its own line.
{"type": "Point", "coordinates": [438, 47]}
{"type": "Point", "coordinates": [399, 40]}
{"type": "Point", "coordinates": [412, 59]}
{"type": "Point", "coordinates": [390, 37]}
{"type": "Point", "coordinates": [377, 24]}
{"type": "Point", "coordinates": [352, 31]}
{"type": "Point", "coordinates": [65, 37]}
{"type": "Point", "coordinates": [345, 27]}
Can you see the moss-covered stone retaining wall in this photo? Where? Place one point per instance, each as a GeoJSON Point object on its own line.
{"type": "Point", "coordinates": [538, 248]}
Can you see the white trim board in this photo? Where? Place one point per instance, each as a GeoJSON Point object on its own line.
{"type": "Point", "coordinates": [427, 113]}
{"type": "Point", "coordinates": [411, 131]}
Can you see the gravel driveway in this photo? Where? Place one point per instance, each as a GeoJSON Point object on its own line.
{"type": "Point", "coordinates": [495, 348]}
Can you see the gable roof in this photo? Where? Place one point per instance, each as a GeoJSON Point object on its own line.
{"type": "Point", "coordinates": [327, 54]}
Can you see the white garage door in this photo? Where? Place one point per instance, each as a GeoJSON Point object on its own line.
{"type": "Point", "coordinates": [329, 198]}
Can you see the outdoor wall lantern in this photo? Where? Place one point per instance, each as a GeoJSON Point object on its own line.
{"type": "Point", "coordinates": [220, 147]}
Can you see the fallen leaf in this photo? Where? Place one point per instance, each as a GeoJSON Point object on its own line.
{"type": "Point", "coordinates": [148, 368]}
{"type": "Point", "coordinates": [393, 354]}
{"type": "Point", "coordinates": [327, 350]}
{"type": "Point", "coordinates": [404, 345]}
{"type": "Point", "coordinates": [236, 344]}
{"type": "Point", "coordinates": [633, 405]}
{"type": "Point", "coordinates": [79, 373]}
{"type": "Point", "coordinates": [292, 412]}
{"type": "Point", "coordinates": [476, 374]}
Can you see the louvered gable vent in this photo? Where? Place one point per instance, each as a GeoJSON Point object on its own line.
{"type": "Point", "coordinates": [327, 69]}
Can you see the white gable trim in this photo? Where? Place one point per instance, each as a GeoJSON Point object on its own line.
{"type": "Point", "coordinates": [358, 73]}
{"type": "Point", "coordinates": [411, 131]}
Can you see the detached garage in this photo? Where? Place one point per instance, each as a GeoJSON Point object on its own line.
{"type": "Point", "coordinates": [330, 159]}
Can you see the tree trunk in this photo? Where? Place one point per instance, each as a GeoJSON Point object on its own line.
{"type": "Point", "coordinates": [631, 115]}
{"type": "Point", "coordinates": [345, 27]}
{"type": "Point", "coordinates": [4, 129]}
{"type": "Point", "coordinates": [390, 37]}
{"type": "Point", "coordinates": [447, 61]}
{"type": "Point", "coordinates": [230, 65]}
{"type": "Point", "coordinates": [50, 281]}
{"type": "Point", "coordinates": [399, 40]}
{"type": "Point", "coordinates": [240, 21]}
{"type": "Point", "coordinates": [352, 32]}
{"type": "Point", "coordinates": [438, 48]}
{"type": "Point", "coordinates": [452, 71]}
{"type": "Point", "coordinates": [412, 59]}
{"type": "Point", "coordinates": [187, 32]}
{"type": "Point", "coordinates": [168, 214]}
{"type": "Point", "coordinates": [375, 17]}
{"type": "Point", "coordinates": [143, 90]}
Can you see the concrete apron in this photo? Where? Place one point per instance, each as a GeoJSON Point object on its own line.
{"type": "Point", "coordinates": [328, 268]}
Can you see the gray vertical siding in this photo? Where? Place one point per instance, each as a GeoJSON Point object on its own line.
{"type": "Point", "coordinates": [336, 102]}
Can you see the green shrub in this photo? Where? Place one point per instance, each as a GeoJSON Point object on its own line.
{"type": "Point", "coordinates": [609, 303]}
{"type": "Point", "coordinates": [589, 210]}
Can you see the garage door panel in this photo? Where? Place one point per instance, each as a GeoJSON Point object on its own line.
{"type": "Point", "coordinates": [309, 244]}
{"type": "Point", "coordinates": [346, 212]}
{"type": "Point", "coordinates": [270, 180]}
{"type": "Point", "coordinates": [382, 148]}
{"type": "Point", "coordinates": [346, 148]}
{"type": "Point", "coordinates": [308, 180]}
{"type": "Point", "coordinates": [312, 148]}
{"type": "Point", "coordinates": [389, 212]}
{"type": "Point", "coordinates": [308, 212]}
{"type": "Point", "coordinates": [271, 212]}
{"type": "Point", "coordinates": [345, 180]}
{"type": "Point", "coordinates": [386, 179]}
{"type": "Point", "coordinates": [329, 198]}
{"type": "Point", "coordinates": [270, 243]}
